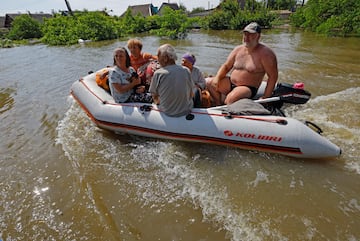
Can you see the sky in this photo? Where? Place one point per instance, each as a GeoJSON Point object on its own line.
{"type": "Point", "coordinates": [117, 6]}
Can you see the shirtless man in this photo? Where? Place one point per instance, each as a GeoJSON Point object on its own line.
{"type": "Point", "coordinates": [249, 63]}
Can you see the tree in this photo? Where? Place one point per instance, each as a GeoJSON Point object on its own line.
{"type": "Point", "coordinates": [336, 17]}
{"type": "Point", "coordinates": [231, 16]}
{"type": "Point", "coordinates": [24, 27]}
{"type": "Point", "coordinates": [172, 23]}
{"type": "Point", "coordinates": [63, 30]}
{"type": "Point", "coordinates": [281, 4]}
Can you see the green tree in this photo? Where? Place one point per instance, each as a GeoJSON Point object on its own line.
{"type": "Point", "coordinates": [337, 17]}
{"type": "Point", "coordinates": [60, 30]}
{"type": "Point", "coordinates": [64, 30]}
{"type": "Point", "coordinates": [95, 26]}
{"type": "Point", "coordinates": [281, 4]}
{"type": "Point", "coordinates": [173, 24]}
{"type": "Point", "coordinates": [222, 18]}
{"type": "Point", "coordinates": [132, 24]}
{"type": "Point", "coordinates": [231, 16]}
{"type": "Point", "coordinates": [24, 27]}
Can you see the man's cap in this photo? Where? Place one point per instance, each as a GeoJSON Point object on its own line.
{"type": "Point", "coordinates": [252, 28]}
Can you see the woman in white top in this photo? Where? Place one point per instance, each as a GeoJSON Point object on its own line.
{"type": "Point", "coordinates": [122, 78]}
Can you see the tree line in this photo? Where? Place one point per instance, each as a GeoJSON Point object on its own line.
{"type": "Point", "coordinates": [336, 17]}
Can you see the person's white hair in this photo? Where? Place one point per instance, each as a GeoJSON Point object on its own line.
{"type": "Point", "coordinates": [168, 50]}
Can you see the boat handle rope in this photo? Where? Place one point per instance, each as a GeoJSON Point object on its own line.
{"type": "Point", "coordinates": [313, 126]}
{"type": "Point", "coordinates": [228, 115]}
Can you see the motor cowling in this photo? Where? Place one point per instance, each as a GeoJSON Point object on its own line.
{"type": "Point", "coordinates": [292, 93]}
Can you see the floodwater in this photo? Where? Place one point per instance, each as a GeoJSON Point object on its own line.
{"type": "Point", "coordinates": [62, 178]}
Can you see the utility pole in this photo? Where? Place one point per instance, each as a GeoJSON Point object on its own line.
{"type": "Point", "coordinates": [69, 8]}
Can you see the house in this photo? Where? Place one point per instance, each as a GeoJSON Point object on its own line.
{"type": "Point", "coordinates": [173, 6]}
{"type": "Point", "coordinates": [2, 21]}
{"type": "Point", "coordinates": [144, 10]}
{"type": "Point", "coordinates": [40, 16]}
{"type": "Point", "coordinates": [147, 10]}
{"type": "Point", "coordinates": [202, 14]}
{"type": "Point", "coordinates": [9, 17]}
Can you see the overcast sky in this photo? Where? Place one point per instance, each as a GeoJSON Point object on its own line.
{"type": "Point", "coordinates": [117, 6]}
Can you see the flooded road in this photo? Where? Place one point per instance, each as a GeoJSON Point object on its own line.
{"type": "Point", "coordinates": [62, 178]}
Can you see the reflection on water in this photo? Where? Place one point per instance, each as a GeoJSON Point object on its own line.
{"type": "Point", "coordinates": [64, 179]}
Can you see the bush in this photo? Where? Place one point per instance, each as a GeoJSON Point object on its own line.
{"type": "Point", "coordinates": [337, 17]}
{"type": "Point", "coordinates": [65, 30]}
{"type": "Point", "coordinates": [129, 24]}
{"type": "Point", "coordinates": [95, 26]}
{"type": "Point", "coordinates": [24, 27]}
{"type": "Point", "coordinates": [60, 30]}
{"type": "Point", "coordinates": [230, 16]}
{"type": "Point", "coordinates": [172, 24]}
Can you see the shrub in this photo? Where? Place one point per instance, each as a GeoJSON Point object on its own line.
{"type": "Point", "coordinates": [337, 17]}
{"type": "Point", "coordinates": [173, 24]}
{"type": "Point", "coordinates": [24, 27]}
{"type": "Point", "coordinates": [64, 30]}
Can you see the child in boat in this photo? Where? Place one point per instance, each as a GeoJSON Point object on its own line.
{"type": "Point", "coordinates": [188, 60]}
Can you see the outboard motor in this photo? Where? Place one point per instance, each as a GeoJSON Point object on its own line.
{"type": "Point", "coordinates": [293, 94]}
{"type": "Point", "coordinates": [287, 93]}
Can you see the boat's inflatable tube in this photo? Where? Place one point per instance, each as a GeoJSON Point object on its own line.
{"type": "Point", "coordinates": [268, 133]}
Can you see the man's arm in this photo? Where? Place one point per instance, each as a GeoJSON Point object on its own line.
{"type": "Point", "coordinates": [271, 69]}
{"type": "Point", "coordinates": [225, 67]}
{"type": "Point", "coordinates": [156, 99]}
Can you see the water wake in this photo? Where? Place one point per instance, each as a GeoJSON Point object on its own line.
{"type": "Point", "coordinates": [338, 116]}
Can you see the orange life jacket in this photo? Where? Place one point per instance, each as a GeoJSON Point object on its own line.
{"type": "Point", "coordinates": [102, 78]}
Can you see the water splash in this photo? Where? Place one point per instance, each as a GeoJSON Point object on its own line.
{"type": "Point", "coordinates": [338, 115]}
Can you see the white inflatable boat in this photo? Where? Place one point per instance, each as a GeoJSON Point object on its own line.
{"type": "Point", "coordinates": [268, 133]}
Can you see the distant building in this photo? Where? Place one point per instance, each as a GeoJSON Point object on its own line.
{"type": "Point", "coordinates": [173, 6]}
{"type": "Point", "coordinates": [9, 17]}
{"type": "Point", "coordinates": [2, 21]}
{"type": "Point", "coordinates": [147, 10]}
{"type": "Point", "coordinates": [202, 13]}
{"type": "Point", "coordinates": [144, 10]}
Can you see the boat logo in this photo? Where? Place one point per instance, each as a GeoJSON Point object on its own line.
{"type": "Point", "coordinates": [229, 133]}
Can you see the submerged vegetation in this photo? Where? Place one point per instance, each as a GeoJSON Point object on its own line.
{"type": "Point", "coordinates": [94, 26]}
{"type": "Point", "coordinates": [338, 17]}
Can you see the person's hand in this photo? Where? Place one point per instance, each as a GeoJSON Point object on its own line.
{"type": "Point", "coordinates": [140, 89]}
{"type": "Point", "coordinates": [141, 73]}
{"type": "Point", "coordinates": [136, 81]}
{"type": "Point", "coordinates": [215, 83]}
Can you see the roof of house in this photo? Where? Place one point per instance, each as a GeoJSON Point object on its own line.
{"type": "Point", "coordinates": [9, 17]}
{"type": "Point", "coordinates": [144, 10]}
{"type": "Point", "coordinates": [2, 21]}
{"type": "Point", "coordinates": [40, 16]}
{"type": "Point", "coordinates": [37, 16]}
{"type": "Point", "coordinates": [173, 6]}
{"type": "Point", "coordinates": [202, 14]}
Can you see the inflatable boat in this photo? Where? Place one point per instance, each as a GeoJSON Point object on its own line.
{"type": "Point", "coordinates": [272, 132]}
